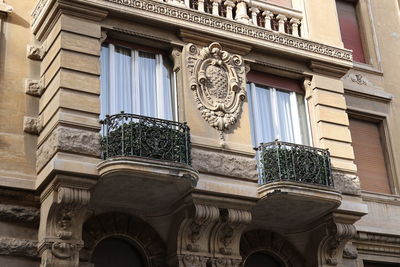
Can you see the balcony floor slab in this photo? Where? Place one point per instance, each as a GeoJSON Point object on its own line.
{"type": "Point", "coordinates": [289, 205]}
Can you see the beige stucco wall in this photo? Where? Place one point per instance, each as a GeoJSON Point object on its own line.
{"type": "Point", "coordinates": [17, 149]}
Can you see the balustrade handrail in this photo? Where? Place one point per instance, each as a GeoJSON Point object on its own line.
{"type": "Point", "coordinates": [127, 134]}
{"type": "Point", "coordinates": [283, 161]}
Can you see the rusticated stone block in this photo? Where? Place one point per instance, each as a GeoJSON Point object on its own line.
{"type": "Point", "coordinates": [224, 164]}
{"type": "Point", "coordinates": [19, 214]}
{"type": "Point", "coordinates": [32, 125]}
{"type": "Point", "coordinates": [70, 140]}
{"type": "Point", "coordinates": [346, 183]}
{"type": "Point", "coordinates": [18, 247]}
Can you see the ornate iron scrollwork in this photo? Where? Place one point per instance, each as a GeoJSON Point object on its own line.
{"type": "Point", "coordinates": [291, 162]}
{"type": "Point", "coordinates": [134, 135]}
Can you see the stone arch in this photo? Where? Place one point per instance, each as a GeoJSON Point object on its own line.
{"type": "Point", "coordinates": [271, 243]}
{"type": "Point", "coordinates": [130, 228]}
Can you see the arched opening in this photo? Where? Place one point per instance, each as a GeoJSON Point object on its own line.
{"type": "Point", "coordinates": [117, 252]}
{"type": "Point", "coordinates": [262, 259]}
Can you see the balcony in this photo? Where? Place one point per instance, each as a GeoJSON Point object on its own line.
{"type": "Point", "coordinates": [295, 184]}
{"type": "Point", "coordinates": [144, 158]}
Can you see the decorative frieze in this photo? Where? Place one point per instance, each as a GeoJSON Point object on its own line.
{"type": "Point", "coordinates": [231, 26]}
{"type": "Point", "coordinates": [217, 79]}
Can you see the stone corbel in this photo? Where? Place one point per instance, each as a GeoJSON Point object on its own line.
{"type": "Point", "coordinates": [34, 87]}
{"type": "Point", "coordinates": [225, 239]}
{"type": "Point", "coordinates": [63, 211]}
{"type": "Point", "coordinates": [338, 235]}
{"type": "Point", "coordinates": [33, 125]}
{"type": "Point", "coordinates": [35, 52]}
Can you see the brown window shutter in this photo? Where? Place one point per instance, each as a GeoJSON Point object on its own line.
{"type": "Point", "coordinates": [274, 81]}
{"type": "Point", "coordinates": [285, 3]}
{"type": "Point", "coordinates": [369, 156]}
{"type": "Point", "coordinates": [349, 29]}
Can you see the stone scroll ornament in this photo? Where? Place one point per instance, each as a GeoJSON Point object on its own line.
{"type": "Point", "coordinates": [217, 79]}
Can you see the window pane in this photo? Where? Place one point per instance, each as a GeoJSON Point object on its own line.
{"type": "Point", "coordinates": [136, 82]}
{"type": "Point", "coordinates": [147, 84]}
{"type": "Point", "coordinates": [349, 29]}
{"type": "Point", "coordinates": [284, 114]}
{"type": "Point", "coordinates": [121, 93]}
{"type": "Point", "coordinates": [262, 121]}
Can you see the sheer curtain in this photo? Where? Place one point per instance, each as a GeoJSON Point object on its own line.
{"type": "Point", "coordinates": [276, 114]}
{"type": "Point", "coordinates": [135, 82]}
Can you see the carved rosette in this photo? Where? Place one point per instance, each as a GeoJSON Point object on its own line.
{"type": "Point", "coordinates": [217, 79]}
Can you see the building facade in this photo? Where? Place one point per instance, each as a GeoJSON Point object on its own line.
{"type": "Point", "coordinates": [199, 133]}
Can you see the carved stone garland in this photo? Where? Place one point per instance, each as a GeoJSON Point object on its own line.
{"type": "Point", "coordinates": [217, 79]}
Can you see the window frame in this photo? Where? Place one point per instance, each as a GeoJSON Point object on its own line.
{"type": "Point", "coordinates": [135, 49]}
{"type": "Point", "coordinates": [274, 107]}
{"type": "Point", "coordinates": [386, 148]}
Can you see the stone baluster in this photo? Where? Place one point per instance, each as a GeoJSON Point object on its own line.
{"type": "Point", "coordinates": [268, 15]}
{"type": "Point", "coordinates": [295, 26]}
{"type": "Point", "coordinates": [254, 12]}
{"type": "Point", "coordinates": [281, 21]}
{"type": "Point", "coordinates": [215, 7]}
{"type": "Point", "coordinates": [200, 6]}
{"type": "Point", "coordinates": [187, 3]}
{"type": "Point", "coordinates": [241, 12]}
{"type": "Point", "coordinates": [229, 7]}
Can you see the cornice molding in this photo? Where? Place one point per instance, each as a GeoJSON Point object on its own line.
{"type": "Point", "coordinates": [142, 8]}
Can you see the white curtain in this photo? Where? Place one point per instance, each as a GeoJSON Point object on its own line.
{"type": "Point", "coordinates": [276, 114]}
{"type": "Point", "coordinates": [135, 82]}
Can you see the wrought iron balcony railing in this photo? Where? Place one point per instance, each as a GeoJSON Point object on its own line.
{"type": "Point", "coordinates": [134, 135]}
{"type": "Point", "coordinates": [280, 161]}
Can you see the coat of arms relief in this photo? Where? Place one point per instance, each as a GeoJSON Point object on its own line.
{"type": "Point", "coordinates": [217, 79]}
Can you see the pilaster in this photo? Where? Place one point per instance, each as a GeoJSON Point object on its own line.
{"type": "Point", "coordinates": [69, 103]}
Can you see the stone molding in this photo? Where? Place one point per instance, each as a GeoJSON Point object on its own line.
{"type": "Point", "coordinates": [18, 247]}
{"type": "Point", "coordinates": [63, 209]}
{"type": "Point", "coordinates": [130, 228]}
{"type": "Point", "coordinates": [19, 214]}
{"type": "Point", "coordinates": [208, 20]}
{"type": "Point", "coordinates": [377, 243]}
{"type": "Point", "coordinates": [260, 240]}
{"type": "Point", "coordinates": [217, 79]}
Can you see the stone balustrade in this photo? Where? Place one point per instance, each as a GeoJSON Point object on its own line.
{"type": "Point", "coordinates": [253, 12]}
